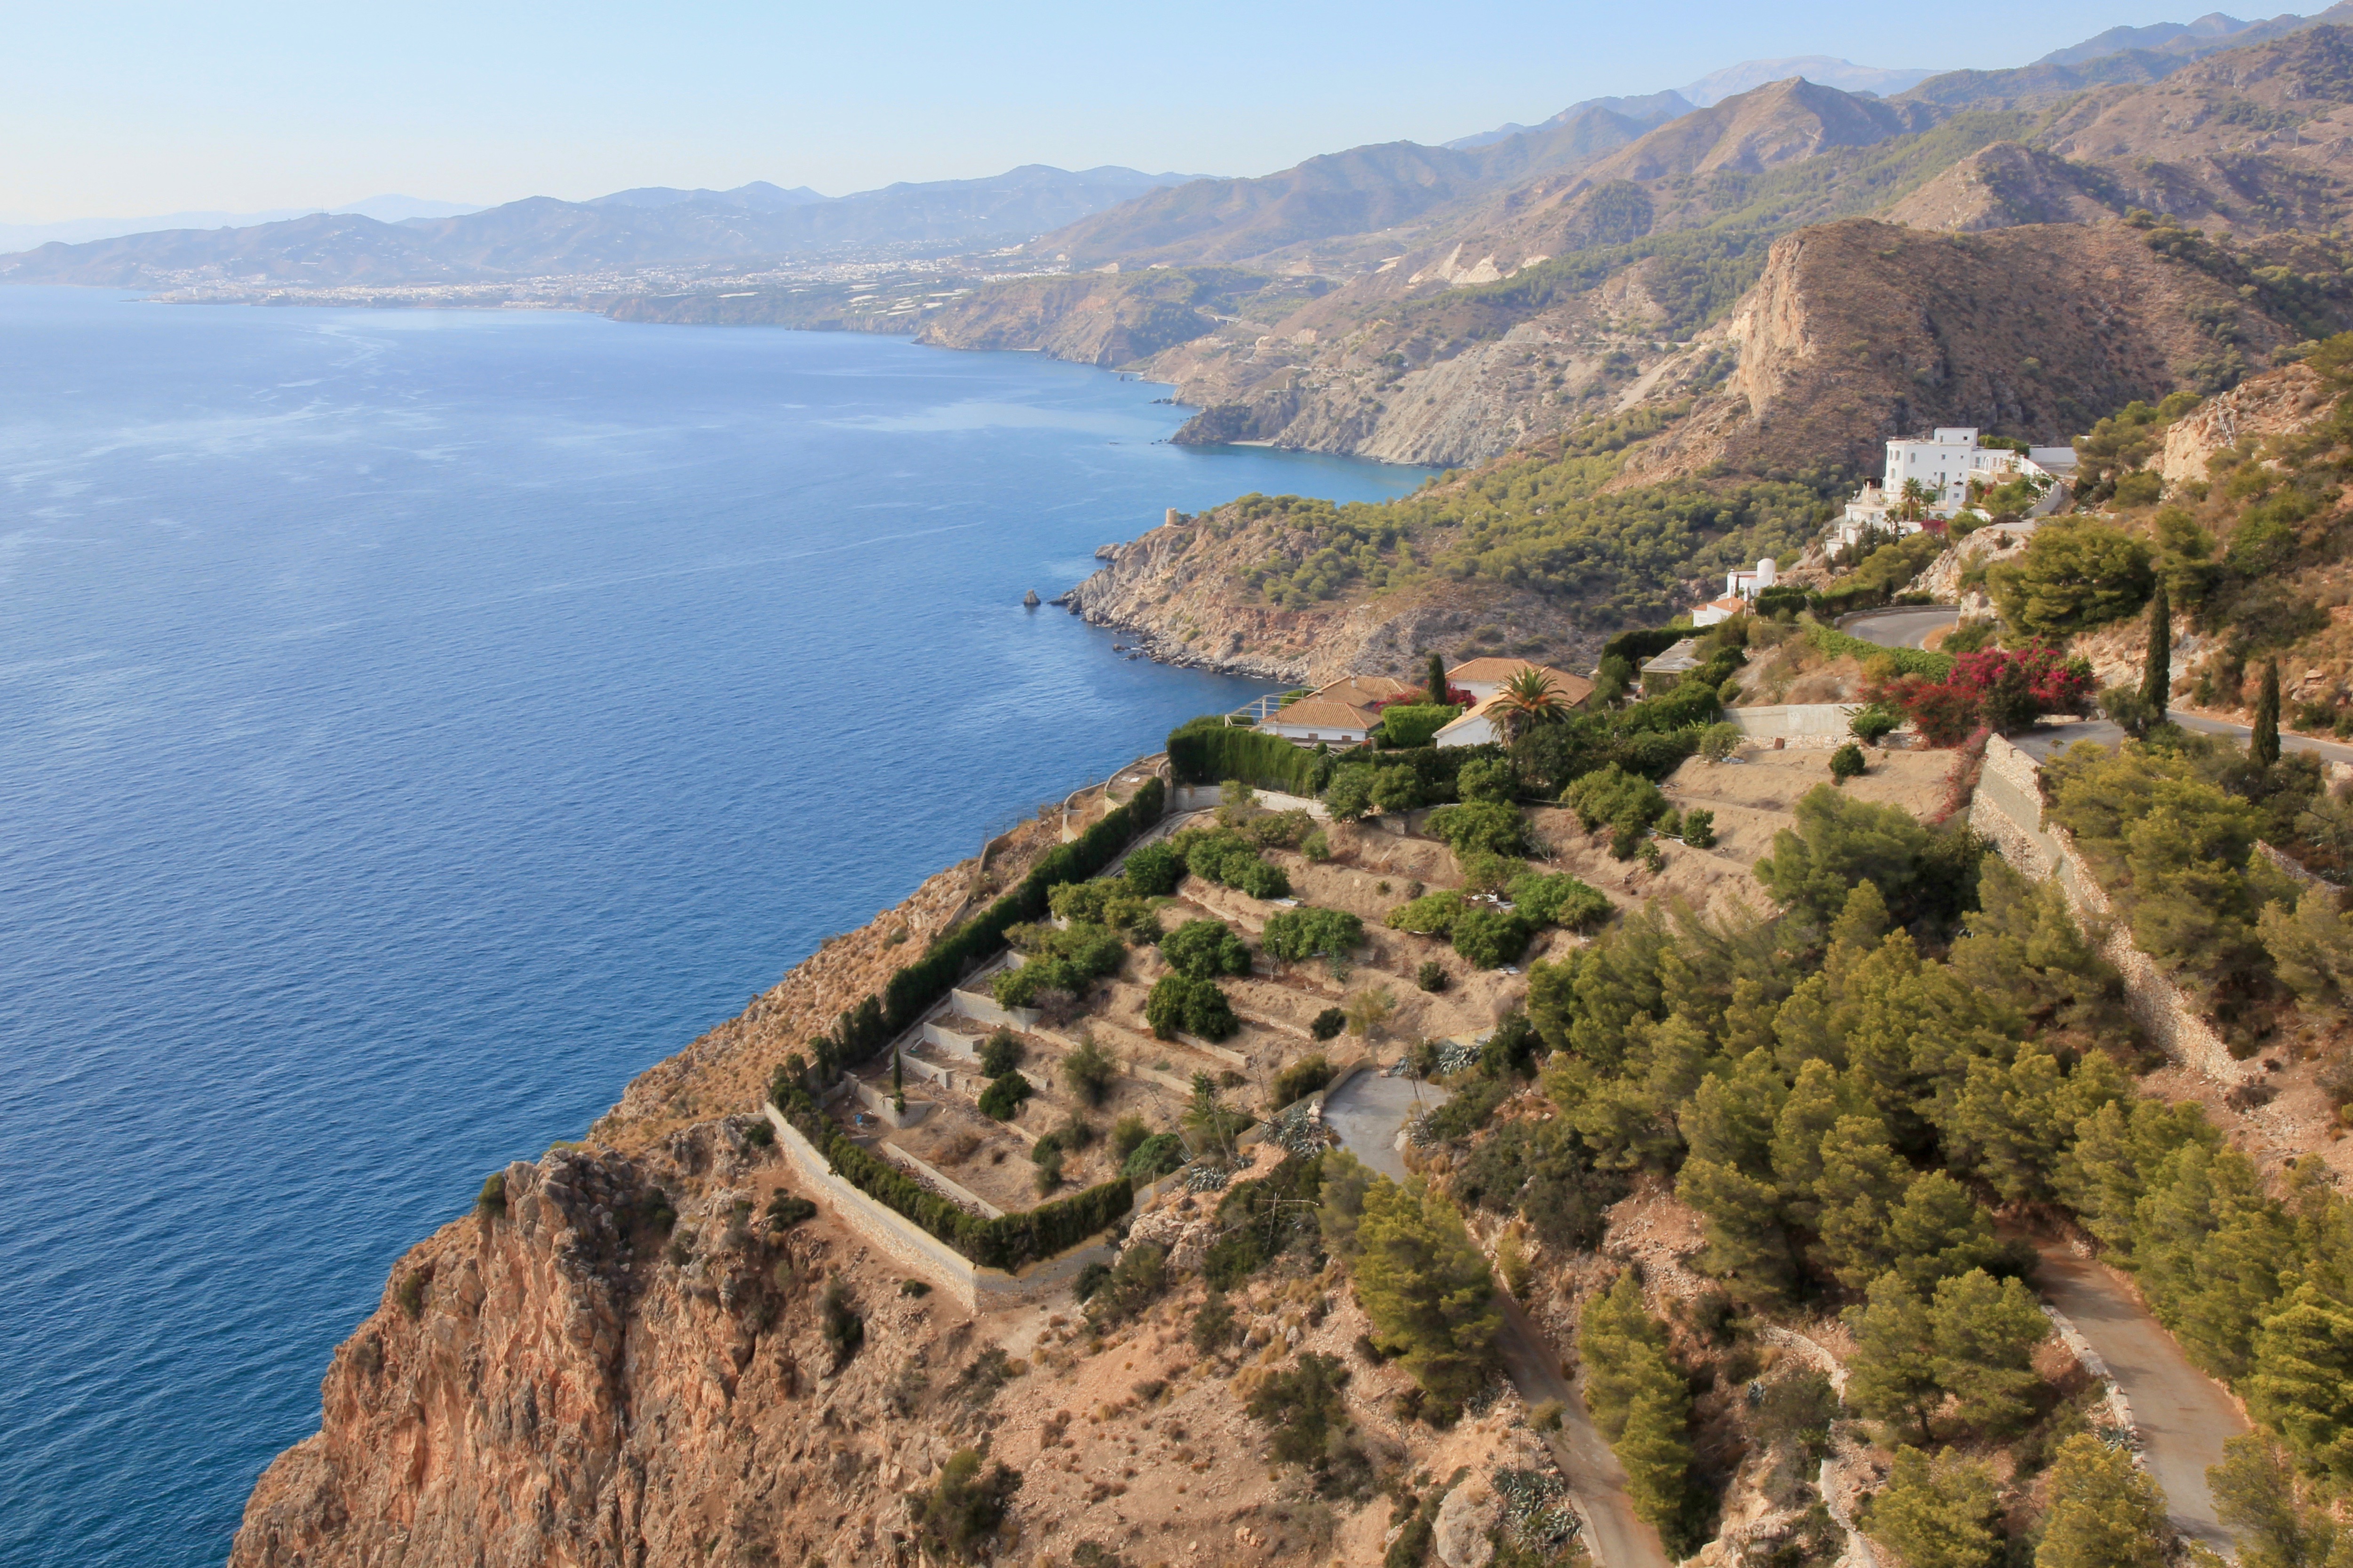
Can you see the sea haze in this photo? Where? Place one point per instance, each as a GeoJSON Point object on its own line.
{"type": "Point", "coordinates": [417, 723]}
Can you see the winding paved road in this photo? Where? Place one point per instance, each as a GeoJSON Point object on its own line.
{"type": "Point", "coordinates": [1369, 1112]}
{"type": "Point", "coordinates": [1909, 628]}
{"type": "Point", "coordinates": [2182, 1414]}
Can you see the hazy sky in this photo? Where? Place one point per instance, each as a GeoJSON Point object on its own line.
{"type": "Point", "coordinates": [132, 108]}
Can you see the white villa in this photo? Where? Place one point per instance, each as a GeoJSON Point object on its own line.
{"type": "Point", "coordinates": [1739, 589]}
{"type": "Point", "coordinates": [1943, 463]}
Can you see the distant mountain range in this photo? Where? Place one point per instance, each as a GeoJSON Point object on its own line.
{"type": "Point", "coordinates": [76, 231]}
{"type": "Point", "coordinates": [650, 227]}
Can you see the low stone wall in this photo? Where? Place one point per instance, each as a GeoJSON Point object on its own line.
{"type": "Point", "coordinates": [979, 1289]}
{"type": "Point", "coordinates": [950, 1041]}
{"type": "Point", "coordinates": [1207, 797]}
{"type": "Point", "coordinates": [981, 1006]}
{"type": "Point", "coordinates": [1806, 726]}
{"type": "Point", "coordinates": [876, 1101]}
{"type": "Point", "coordinates": [2008, 809]}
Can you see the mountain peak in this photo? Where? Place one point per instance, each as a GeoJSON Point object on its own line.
{"type": "Point", "coordinates": [1823, 70]}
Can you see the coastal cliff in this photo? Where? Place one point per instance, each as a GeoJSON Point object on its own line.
{"type": "Point", "coordinates": [1184, 591]}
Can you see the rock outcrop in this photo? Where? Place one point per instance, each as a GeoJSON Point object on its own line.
{"type": "Point", "coordinates": [2273, 404]}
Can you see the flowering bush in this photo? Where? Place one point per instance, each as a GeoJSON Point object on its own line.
{"type": "Point", "coordinates": [2003, 690]}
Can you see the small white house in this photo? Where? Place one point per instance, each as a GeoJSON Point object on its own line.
{"type": "Point", "coordinates": [1739, 589]}
{"type": "Point", "coordinates": [1340, 713]}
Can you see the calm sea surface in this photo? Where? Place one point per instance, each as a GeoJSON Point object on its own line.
{"type": "Point", "coordinates": [414, 724]}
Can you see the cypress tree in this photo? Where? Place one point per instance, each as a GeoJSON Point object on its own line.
{"type": "Point", "coordinates": [2265, 748]}
{"type": "Point", "coordinates": [1436, 678]}
{"type": "Point", "coordinates": [2157, 673]}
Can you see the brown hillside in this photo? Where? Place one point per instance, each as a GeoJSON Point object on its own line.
{"type": "Point", "coordinates": [1860, 330]}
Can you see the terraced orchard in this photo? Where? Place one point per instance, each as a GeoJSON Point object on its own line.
{"type": "Point", "coordinates": [1242, 957]}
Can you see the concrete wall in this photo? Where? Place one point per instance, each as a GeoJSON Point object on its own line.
{"type": "Point", "coordinates": [949, 1040]}
{"type": "Point", "coordinates": [1806, 725]}
{"type": "Point", "coordinates": [2008, 809]}
{"type": "Point", "coordinates": [875, 1101]}
{"type": "Point", "coordinates": [909, 1245]}
{"type": "Point", "coordinates": [981, 1006]}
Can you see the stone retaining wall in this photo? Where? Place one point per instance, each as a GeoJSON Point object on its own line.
{"type": "Point", "coordinates": [2008, 809]}
{"type": "Point", "coordinates": [979, 1289]}
{"type": "Point", "coordinates": [1805, 726]}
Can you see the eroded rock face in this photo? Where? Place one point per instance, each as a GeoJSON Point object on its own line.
{"type": "Point", "coordinates": [542, 1387]}
{"type": "Point", "coordinates": [2287, 399]}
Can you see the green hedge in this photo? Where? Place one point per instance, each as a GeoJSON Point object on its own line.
{"type": "Point", "coordinates": [953, 954]}
{"type": "Point", "coordinates": [1010, 1242]}
{"type": "Point", "coordinates": [1208, 750]}
{"type": "Point", "coordinates": [1648, 643]}
{"type": "Point", "coordinates": [1908, 660]}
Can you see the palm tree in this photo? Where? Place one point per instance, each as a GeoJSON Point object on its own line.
{"type": "Point", "coordinates": [1528, 698]}
{"type": "Point", "coordinates": [1917, 499]}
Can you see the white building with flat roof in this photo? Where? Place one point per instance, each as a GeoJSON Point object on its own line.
{"type": "Point", "coordinates": [1944, 464]}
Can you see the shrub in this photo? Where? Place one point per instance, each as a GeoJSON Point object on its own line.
{"type": "Point", "coordinates": [1846, 762]}
{"type": "Point", "coordinates": [1057, 959]}
{"type": "Point", "coordinates": [1196, 1007]}
{"type": "Point", "coordinates": [1090, 1070]}
{"type": "Point", "coordinates": [1316, 846]}
{"type": "Point", "coordinates": [1202, 950]}
{"type": "Point", "coordinates": [1718, 742]}
{"type": "Point", "coordinates": [1153, 1158]}
{"type": "Point", "coordinates": [1112, 902]}
{"type": "Point", "coordinates": [1300, 1078]}
{"type": "Point", "coordinates": [1328, 1023]}
{"type": "Point", "coordinates": [1368, 1009]}
{"type": "Point", "coordinates": [1488, 779]}
{"type": "Point", "coordinates": [1491, 937]}
{"type": "Point", "coordinates": [1126, 1133]}
{"type": "Point", "coordinates": [1413, 724]}
{"type": "Point", "coordinates": [1612, 796]}
{"type": "Point", "coordinates": [1227, 858]}
{"type": "Point", "coordinates": [1871, 725]}
{"type": "Point", "coordinates": [1003, 1097]}
{"type": "Point", "coordinates": [491, 1201]}
{"type": "Point", "coordinates": [786, 1210]}
{"type": "Point", "coordinates": [1559, 900]}
{"type": "Point", "coordinates": [1306, 1411]}
{"type": "Point", "coordinates": [1135, 1282]}
{"type": "Point", "coordinates": [1000, 1054]}
{"type": "Point", "coordinates": [839, 1319]}
{"type": "Point", "coordinates": [958, 1515]}
{"type": "Point", "coordinates": [411, 1293]}
{"type": "Point", "coordinates": [1292, 936]}
{"type": "Point", "coordinates": [1493, 825]}
{"type": "Point", "coordinates": [1699, 827]}
{"type": "Point", "coordinates": [1153, 870]}
{"type": "Point", "coordinates": [1213, 1325]}
{"type": "Point", "coordinates": [1431, 975]}
{"type": "Point", "coordinates": [1433, 914]}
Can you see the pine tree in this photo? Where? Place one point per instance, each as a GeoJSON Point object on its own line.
{"type": "Point", "coordinates": [1985, 1338]}
{"type": "Point", "coordinates": [1892, 1375]}
{"type": "Point", "coordinates": [1615, 1331]}
{"type": "Point", "coordinates": [1816, 1102]}
{"type": "Point", "coordinates": [1863, 1181]}
{"type": "Point", "coordinates": [1741, 1216]}
{"type": "Point", "coordinates": [2303, 1381]}
{"type": "Point", "coordinates": [2265, 748]}
{"type": "Point", "coordinates": [1435, 679]}
{"type": "Point", "coordinates": [2255, 1496]}
{"type": "Point", "coordinates": [1730, 1120]}
{"type": "Point", "coordinates": [1938, 1231]}
{"type": "Point", "coordinates": [1426, 1286]}
{"type": "Point", "coordinates": [1656, 1449]}
{"type": "Point", "coordinates": [2008, 1123]}
{"type": "Point", "coordinates": [1937, 1515]}
{"type": "Point", "coordinates": [2156, 672]}
{"type": "Point", "coordinates": [2104, 1511]}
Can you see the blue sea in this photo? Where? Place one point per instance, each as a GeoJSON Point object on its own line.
{"type": "Point", "coordinates": [415, 723]}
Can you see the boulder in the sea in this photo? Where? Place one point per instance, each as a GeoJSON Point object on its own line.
{"type": "Point", "coordinates": [1030, 600]}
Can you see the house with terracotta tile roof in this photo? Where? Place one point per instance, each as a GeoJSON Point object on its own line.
{"type": "Point", "coordinates": [1485, 678]}
{"type": "Point", "coordinates": [1340, 713]}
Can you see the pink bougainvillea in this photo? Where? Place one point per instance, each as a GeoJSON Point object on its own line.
{"type": "Point", "coordinates": [2003, 690]}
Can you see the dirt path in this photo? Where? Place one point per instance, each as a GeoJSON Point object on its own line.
{"type": "Point", "coordinates": [2182, 1414]}
{"type": "Point", "coordinates": [1368, 1112]}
